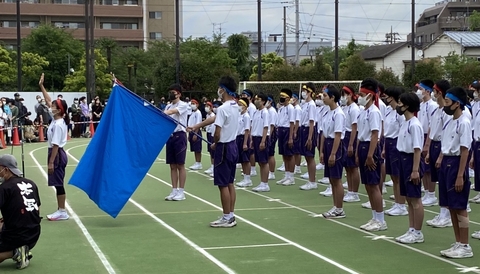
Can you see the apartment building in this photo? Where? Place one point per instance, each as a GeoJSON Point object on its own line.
{"type": "Point", "coordinates": [129, 22]}
{"type": "Point", "coordinates": [447, 15]}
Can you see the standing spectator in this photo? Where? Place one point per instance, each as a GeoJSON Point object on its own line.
{"type": "Point", "coordinates": [162, 104]}
{"type": "Point", "coordinates": [85, 114]}
{"type": "Point", "coordinates": [97, 111]}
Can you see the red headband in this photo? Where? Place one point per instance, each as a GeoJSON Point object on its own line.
{"type": "Point", "coordinates": [350, 91]}
{"type": "Point", "coordinates": [375, 95]}
{"type": "Point", "coordinates": [60, 106]}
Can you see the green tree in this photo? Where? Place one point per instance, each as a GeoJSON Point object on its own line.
{"type": "Point", "coordinates": [425, 69]}
{"type": "Point", "coordinates": [32, 66]}
{"type": "Point", "coordinates": [239, 50]}
{"type": "Point", "coordinates": [461, 70]}
{"type": "Point", "coordinates": [320, 71]}
{"type": "Point", "coordinates": [355, 68]}
{"type": "Point", "coordinates": [55, 45]}
{"type": "Point", "coordinates": [103, 80]}
{"type": "Point", "coordinates": [388, 78]}
{"type": "Point", "coordinates": [344, 52]}
{"type": "Point", "coordinates": [474, 21]}
{"type": "Point", "coordinates": [269, 61]}
{"type": "Point", "coordinates": [7, 71]}
{"type": "Point", "coordinates": [107, 45]}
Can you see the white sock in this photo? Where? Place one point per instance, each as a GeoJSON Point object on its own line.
{"type": "Point", "coordinates": [246, 177]}
{"type": "Point", "coordinates": [339, 209]}
{"type": "Point", "coordinates": [374, 214]}
{"type": "Point", "coordinates": [444, 212]}
{"type": "Point", "coordinates": [252, 169]}
{"type": "Point", "coordinates": [226, 216]}
{"type": "Point", "coordinates": [411, 229]}
{"type": "Point", "coordinates": [297, 167]}
{"type": "Point", "coordinates": [426, 193]}
{"type": "Point", "coordinates": [431, 194]}
{"type": "Point", "coordinates": [262, 183]}
{"type": "Point", "coordinates": [212, 167]}
{"type": "Point", "coordinates": [380, 217]}
{"type": "Point", "coordinates": [418, 232]}
{"type": "Point", "coordinates": [231, 215]}
{"type": "Point", "coordinates": [180, 190]}
{"type": "Point", "coordinates": [287, 174]}
{"type": "Point", "coordinates": [271, 173]}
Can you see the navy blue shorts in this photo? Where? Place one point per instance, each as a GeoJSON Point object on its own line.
{"type": "Point", "coordinates": [60, 163]}
{"type": "Point", "coordinates": [303, 141]}
{"type": "Point", "coordinates": [392, 157]}
{"type": "Point", "coordinates": [434, 152]}
{"type": "Point", "coordinates": [368, 177]}
{"type": "Point", "coordinates": [283, 136]}
{"type": "Point", "coordinates": [225, 163]}
{"type": "Point", "coordinates": [261, 156]}
{"type": "Point", "coordinates": [334, 172]}
{"type": "Point", "coordinates": [447, 194]}
{"type": "Point", "coordinates": [272, 142]}
{"type": "Point", "coordinates": [243, 155]}
{"type": "Point", "coordinates": [476, 159]}
{"type": "Point", "coordinates": [177, 148]}
{"type": "Point", "coordinates": [407, 187]}
{"type": "Point", "coordinates": [195, 146]}
{"type": "Point", "coordinates": [349, 161]}
{"type": "Point", "coordinates": [296, 144]}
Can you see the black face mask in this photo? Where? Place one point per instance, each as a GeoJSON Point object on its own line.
{"type": "Point", "coordinates": [172, 96]}
{"type": "Point", "coordinates": [282, 100]}
{"type": "Point", "coordinates": [399, 110]}
{"type": "Point", "coordinates": [448, 109]}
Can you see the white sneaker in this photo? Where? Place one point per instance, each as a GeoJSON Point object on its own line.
{"type": "Point", "coordinates": [367, 205]}
{"type": "Point", "coordinates": [261, 188]}
{"type": "Point", "coordinates": [390, 209]}
{"type": "Point", "coordinates": [309, 186]}
{"type": "Point", "coordinates": [289, 182]}
{"type": "Point", "coordinates": [171, 195]}
{"type": "Point", "coordinates": [58, 215]}
{"type": "Point", "coordinates": [376, 226]}
{"type": "Point", "coordinates": [319, 167]}
{"type": "Point", "coordinates": [209, 170]}
{"type": "Point", "coordinates": [430, 201]}
{"type": "Point", "coordinates": [324, 180]}
{"type": "Point", "coordinates": [222, 222]}
{"type": "Point", "coordinates": [430, 222]}
{"type": "Point", "coordinates": [389, 183]}
{"type": "Point", "coordinates": [244, 183]}
{"type": "Point", "coordinates": [475, 199]}
{"type": "Point", "coordinates": [282, 180]}
{"type": "Point", "coordinates": [399, 210]}
{"type": "Point", "coordinates": [304, 163]}
{"type": "Point", "coordinates": [476, 235]}
{"type": "Point", "coordinates": [452, 247]}
{"type": "Point", "coordinates": [298, 170]}
{"type": "Point", "coordinates": [422, 189]}
{"type": "Point", "coordinates": [271, 176]}
{"type": "Point", "coordinates": [180, 196]}
{"type": "Point", "coordinates": [412, 238]}
{"type": "Point", "coordinates": [196, 166]}
{"type": "Point", "coordinates": [327, 193]}
{"type": "Point", "coordinates": [334, 213]}
{"type": "Point", "coordinates": [253, 173]}
{"type": "Point", "coordinates": [441, 222]}
{"type": "Point", "coordinates": [345, 185]}
{"type": "Point", "coordinates": [461, 251]}
{"type": "Point", "coordinates": [469, 209]}
{"type": "Point", "coordinates": [402, 236]}
{"type": "Point", "coordinates": [304, 176]}
{"type": "Point", "coordinates": [369, 223]}
{"type": "Point", "coordinates": [351, 198]}
{"type": "Point", "coordinates": [384, 189]}
{"type": "Point", "coordinates": [392, 197]}
{"type": "Point", "coordinates": [238, 166]}
{"type": "Point", "coordinates": [282, 167]}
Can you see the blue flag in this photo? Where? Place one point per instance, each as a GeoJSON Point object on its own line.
{"type": "Point", "coordinates": [125, 145]}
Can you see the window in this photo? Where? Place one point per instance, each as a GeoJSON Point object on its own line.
{"type": "Point", "coordinates": [432, 37]}
{"type": "Point", "coordinates": [155, 15]}
{"type": "Point", "coordinates": [68, 1]}
{"type": "Point", "coordinates": [109, 2]}
{"type": "Point", "coordinates": [13, 24]}
{"type": "Point", "coordinates": [155, 35]}
{"type": "Point", "coordinates": [119, 26]}
{"type": "Point", "coordinates": [131, 2]}
{"type": "Point", "coordinates": [69, 25]}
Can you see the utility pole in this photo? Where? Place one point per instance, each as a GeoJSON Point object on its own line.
{"type": "Point", "coordinates": [19, 50]}
{"type": "Point", "coordinates": [92, 49]}
{"type": "Point", "coordinates": [297, 31]}
{"type": "Point", "coordinates": [285, 34]}
{"type": "Point", "coordinates": [87, 46]}
{"type": "Point", "coordinates": [259, 39]}
{"type": "Point", "coordinates": [413, 39]}
{"type": "Point", "coordinates": [336, 41]}
{"type": "Point", "coordinates": [177, 41]}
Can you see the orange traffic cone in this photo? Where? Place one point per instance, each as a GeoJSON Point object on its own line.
{"type": "Point", "coordinates": [4, 145]}
{"type": "Point", "coordinates": [16, 140]}
{"type": "Point", "coordinates": [41, 137]}
{"type": "Point", "coordinates": [92, 129]}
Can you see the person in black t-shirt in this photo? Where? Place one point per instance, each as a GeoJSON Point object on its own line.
{"type": "Point", "coordinates": [20, 208]}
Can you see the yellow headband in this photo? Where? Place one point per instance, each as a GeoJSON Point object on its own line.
{"type": "Point", "coordinates": [242, 102]}
{"type": "Point", "coordinates": [284, 94]}
{"type": "Point", "coordinates": [307, 88]}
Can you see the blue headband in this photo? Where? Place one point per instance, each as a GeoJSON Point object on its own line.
{"type": "Point", "coordinates": [270, 99]}
{"type": "Point", "coordinates": [246, 93]}
{"type": "Point", "coordinates": [425, 87]}
{"type": "Point", "coordinates": [231, 93]}
{"type": "Point", "coordinates": [455, 99]}
{"type": "Point", "coordinates": [326, 91]}
{"type": "Point", "coordinates": [294, 95]}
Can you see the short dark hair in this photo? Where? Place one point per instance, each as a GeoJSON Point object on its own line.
{"type": "Point", "coordinates": [394, 92]}
{"type": "Point", "coordinates": [370, 84]}
{"type": "Point", "coordinates": [229, 83]}
{"type": "Point", "coordinates": [442, 86]}
{"type": "Point", "coordinates": [287, 91]}
{"type": "Point", "coordinates": [427, 82]}
{"type": "Point", "coordinates": [248, 92]}
{"type": "Point", "coordinates": [309, 85]}
{"type": "Point", "coordinates": [333, 92]}
{"type": "Point", "coordinates": [461, 94]}
{"type": "Point", "coordinates": [245, 100]}
{"type": "Point", "coordinates": [175, 87]}
{"type": "Point", "coordinates": [411, 100]}
{"type": "Point", "coordinates": [262, 96]}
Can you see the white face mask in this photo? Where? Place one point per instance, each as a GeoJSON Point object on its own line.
{"type": "Point", "coordinates": [304, 94]}
{"type": "Point", "coordinates": [432, 94]}
{"type": "Point", "coordinates": [343, 101]}
{"type": "Point", "coordinates": [475, 95]}
{"type": "Point", "coordinates": [214, 110]}
{"type": "Point", "coordinates": [240, 109]}
{"type": "Point", "coordinates": [319, 103]}
{"type": "Point", "coordinates": [207, 109]}
{"type": "Point", "coordinates": [419, 94]}
{"type": "Point", "coordinates": [194, 107]}
{"type": "Point", "coordinates": [362, 100]}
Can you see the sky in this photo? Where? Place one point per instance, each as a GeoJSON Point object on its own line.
{"type": "Point", "coordinates": [367, 21]}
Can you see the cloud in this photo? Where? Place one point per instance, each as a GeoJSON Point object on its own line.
{"type": "Point", "coordinates": [365, 20]}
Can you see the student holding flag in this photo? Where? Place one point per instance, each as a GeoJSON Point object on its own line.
{"type": "Point", "coordinates": [225, 146]}
{"type": "Point", "coordinates": [177, 144]}
{"type": "Point", "coordinates": [57, 158]}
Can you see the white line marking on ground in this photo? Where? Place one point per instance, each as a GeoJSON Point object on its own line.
{"type": "Point", "coordinates": [245, 246]}
{"type": "Point", "coordinates": [328, 260]}
{"type": "Point", "coordinates": [77, 220]}
{"type": "Point", "coordinates": [171, 229]}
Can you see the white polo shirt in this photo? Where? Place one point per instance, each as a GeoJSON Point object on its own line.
{"type": "Point", "coordinates": [181, 116]}
{"type": "Point", "coordinates": [410, 136]}
{"type": "Point", "coordinates": [210, 128]}
{"type": "Point", "coordinates": [334, 122]}
{"type": "Point", "coordinates": [244, 123]}
{"type": "Point", "coordinates": [392, 123]}
{"type": "Point", "coordinates": [369, 120]}
{"type": "Point", "coordinates": [286, 115]}
{"type": "Point", "coordinates": [427, 110]}
{"type": "Point", "coordinates": [351, 114]}
{"type": "Point", "coordinates": [308, 113]}
{"type": "Point", "coordinates": [456, 133]}
{"type": "Point", "coordinates": [195, 118]}
{"type": "Point", "coordinates": [259, 122]}
{"type": "Point", "coordinates": [227, 120]}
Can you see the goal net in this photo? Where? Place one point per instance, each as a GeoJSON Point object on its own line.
{"type": "Point", "coordinates": [274, 87]}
